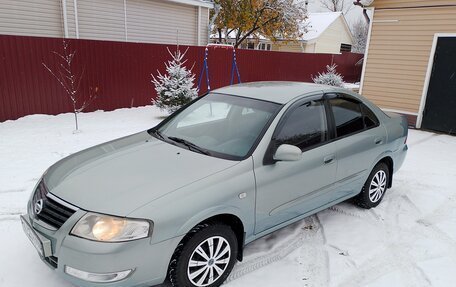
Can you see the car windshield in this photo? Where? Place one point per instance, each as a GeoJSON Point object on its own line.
{"type": "Point", "coordinates": [219, 125]}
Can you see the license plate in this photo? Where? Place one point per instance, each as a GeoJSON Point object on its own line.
{"type": "Point", "coordinates": [32, 236]}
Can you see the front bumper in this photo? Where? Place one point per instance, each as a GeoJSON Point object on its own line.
{"type": "Point", "coordinates": [149, 261]}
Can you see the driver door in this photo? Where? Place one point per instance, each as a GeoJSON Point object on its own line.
{"type": "Point", "coordinates": [289, 189]}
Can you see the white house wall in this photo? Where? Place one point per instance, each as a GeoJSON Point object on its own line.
{"type": "Point", "coordinates": [101, 19]}
{"type": "Point", "coordinates": [204, 24]}
{"type": "Point", "coordinates": [331, 39]}
{"type": "Point", "coordinates": [150, 21]}
{"type": "Point", "coordinates": [158, 21]}
{"type": "Point", "coordinates": [31, 17]}
{"type": "Point", "coordinates": [309, 48]}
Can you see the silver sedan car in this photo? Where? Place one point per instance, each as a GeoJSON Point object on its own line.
{"type": "Point", "coordinates": [180, 201]}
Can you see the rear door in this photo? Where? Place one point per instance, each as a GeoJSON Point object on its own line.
{"type": "Point", "coordinates": [286, 190]}
{"type": "Point", "coordinates": [359, 141]}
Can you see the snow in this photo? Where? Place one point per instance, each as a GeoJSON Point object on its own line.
{"type": "Point", "coordinates": [330, 77]}
{"type": "Point", "coordinates": [351, 86]}
{"type": "Point", "coordinates": [317, 23]}
{"type": "Point", "coordinates": [409, 240]}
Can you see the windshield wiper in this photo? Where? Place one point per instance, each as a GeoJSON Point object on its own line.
{"type": "Point", "coordinates": [189, 144]}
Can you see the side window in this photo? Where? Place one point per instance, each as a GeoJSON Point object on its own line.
{"type": "Point", "coordinates": [304, 127]}
{"type": "Point", "coordinates": [370, 119]}
{"type": "Point", "coordinates": [348, 116]}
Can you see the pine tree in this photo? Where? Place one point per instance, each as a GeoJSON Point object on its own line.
{"type": "Point", "coordinates": [330, 77]}
{"type": "Point", "coordinates": [175, 88]}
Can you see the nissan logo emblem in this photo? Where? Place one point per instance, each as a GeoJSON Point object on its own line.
{"type": "Point", "coordinates": [39, 206]}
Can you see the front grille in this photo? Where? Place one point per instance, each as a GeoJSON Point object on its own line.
{"type": "Point", "coordinates": [48, 209]}
{"type": "Point", "coordinates": [52, 260]}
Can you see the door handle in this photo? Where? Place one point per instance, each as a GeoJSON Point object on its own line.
{"type": "Point", "coordinates": [378, 141]}
{"type": "Point", "coordinates": [328, 159]}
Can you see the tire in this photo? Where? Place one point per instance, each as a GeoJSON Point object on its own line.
{"type": "Point", "coordinates": [195, 248]}
{"type": "Point", "coordinates": [375, 187]}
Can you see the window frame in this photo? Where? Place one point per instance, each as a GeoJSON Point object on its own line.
{"type": "Point", "coordinates": [344, 48]}
{"type": "Point", "coordinates": [364, 107]}
{"type": "Point", "coordinates": [272, 148]}
{"type": "Point", "coordinates": [332, 122]}
{"type": "Point", "coordinates": [267, 46]}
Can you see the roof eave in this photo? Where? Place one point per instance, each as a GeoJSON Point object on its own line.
{"type": "Point", "coordinates": [204, 4]}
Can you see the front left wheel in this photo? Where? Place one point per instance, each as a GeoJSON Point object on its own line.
{"type": "Point", "coordinates": [205, 258]}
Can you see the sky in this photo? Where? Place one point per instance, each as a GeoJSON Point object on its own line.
{"type": "Point", "coordinates": [352, 16]}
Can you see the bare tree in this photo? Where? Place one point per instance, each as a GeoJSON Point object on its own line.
{"type": "Point", "coordinates": [343, 6]}
{"type": "Point", "coordinates": [65, 75]}
{"type": "Point", "coordinates": [360, 30]}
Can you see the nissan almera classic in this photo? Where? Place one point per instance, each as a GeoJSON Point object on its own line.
{"type": "Point", "coordinates": [180, 201]}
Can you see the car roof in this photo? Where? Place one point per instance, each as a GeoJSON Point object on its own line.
{"type": "Point", "coordinates": [278, 92]}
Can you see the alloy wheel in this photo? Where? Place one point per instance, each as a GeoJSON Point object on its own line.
{"type": "Point", "coordinates": [377, 186]}
{"type": "Point", "coordinates": [209, 261]}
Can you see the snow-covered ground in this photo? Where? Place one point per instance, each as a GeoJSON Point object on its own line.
{"type": "Point", "coordinates": [409, 240]}
{"type": "Point", "coordinates": [352, 86]}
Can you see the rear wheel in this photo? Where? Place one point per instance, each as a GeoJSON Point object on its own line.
{"type": "Point", "coordinates": [205, 258]}
{"type": "Point", "coordinates": [375, 187]}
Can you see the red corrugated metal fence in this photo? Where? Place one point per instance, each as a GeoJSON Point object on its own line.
{"type": "Point", "coordinates": [121, 72]}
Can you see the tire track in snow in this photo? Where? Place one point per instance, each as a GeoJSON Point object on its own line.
{"type": "Point", "coordinates": [423, 140]}
{"type": "Point", "coordinates": [398, 255]}
{"type": "Point", "coordinates": [315, 258]}
{"type": "Point", "coordinates": [9, 218]}
{"type": "Point", "coordinates": [13, 190]}
{"type": "Point", "coordinates": [351, 210]}
{"type": "Point", "coordinates": [308, 238]}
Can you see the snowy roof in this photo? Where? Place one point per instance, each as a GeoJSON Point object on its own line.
{"type": "Point", "coordinates": [317, 23]}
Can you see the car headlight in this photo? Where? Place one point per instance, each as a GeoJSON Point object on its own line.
{"type": "Point", "coordinates": [108, 228]}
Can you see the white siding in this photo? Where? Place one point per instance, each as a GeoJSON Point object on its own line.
{"type": "Point", "coordinates": [309, 48]}
{"type": "Point", "coordinates": [204, 25]}
{"type": "Point", "coordinates": [336, 34]}
{"type": "Point", "coordinates": [101, 19]}
{"type": "Point", "coordinates": [287, 47]}
{"type": "Point", "coordinates": [150, 21]}
{"type": "Point", "coordinates": [157, 21]}
{"type": "Point", "coordinates": [380, 4]}
{"type": "Point", "coordinates": [71, 20]}
{"type": "Point", "coordinates": [31, 17]}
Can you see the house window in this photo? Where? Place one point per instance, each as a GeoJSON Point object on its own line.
{"type": "Point", "coordinates": [264, 46]}
{"type": "Point", "coordinates": [345, 48]}
{"type": "Point", "coordinates": [251, 46]}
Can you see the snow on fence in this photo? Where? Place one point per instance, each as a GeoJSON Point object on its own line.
{"type": "Point", "coordinates": [121, 72]}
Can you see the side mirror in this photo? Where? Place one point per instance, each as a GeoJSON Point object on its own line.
{"type": "Point", "coordinates": [287, 152]}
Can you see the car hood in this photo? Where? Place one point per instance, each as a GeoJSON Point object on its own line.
{"type": "Point", "coordinates": [122, 175]}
